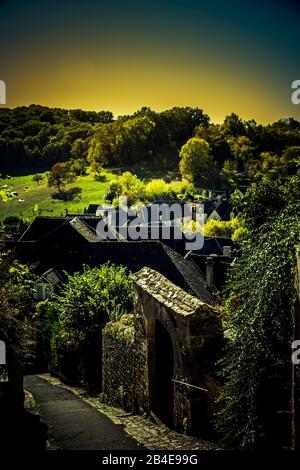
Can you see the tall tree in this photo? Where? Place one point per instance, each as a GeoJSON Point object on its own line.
{"type": "Point", "coordinates": [59, 176]}
{"type": "Point", "coordinates": [196, 162]}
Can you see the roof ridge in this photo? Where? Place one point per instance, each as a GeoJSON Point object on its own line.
{"type": "Point", "coordinates": [166, 292]}
{"type": "Point", "coordinates": [45, 234]}
{"type": "Point", "coordinates": [199, 286]}
{"type": "Point", "coordinates": [76, 222]}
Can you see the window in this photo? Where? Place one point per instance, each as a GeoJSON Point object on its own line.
{"type": "Point", "coordinates": [43, 291]}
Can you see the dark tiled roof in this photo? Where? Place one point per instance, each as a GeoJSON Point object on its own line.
{"type": "Point", "coordinates": [84, 230]}
{"type": "Point", "coordinates": [69, 251]}
{"type": "Point", "coordinates": [224, 210]}
{"type": "Point", "coordinates": [41, 226]}
{"type": "Point", "coordinates": [209, 207]}
{"type": "Point", "coordinates": [194, 278]}
{"type": "Point", "coordinates": [51, 228]}
{"type": "Point", "coordinates": [52, 276]}
{"type": "Point", "coordinates": [92, 209]}
{"type": "Point", "coordinates": [214, 245]}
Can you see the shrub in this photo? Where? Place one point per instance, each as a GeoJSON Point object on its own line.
{"type": "Point", "coordinates": [218, 228]}
{"type": "Point", "coordinates": [78, 313]}
{"type": "Point", "coordinates": [157, 189]}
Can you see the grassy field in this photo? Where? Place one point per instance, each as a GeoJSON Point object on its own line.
{"type": "Point", "coordinates": [41, 200]}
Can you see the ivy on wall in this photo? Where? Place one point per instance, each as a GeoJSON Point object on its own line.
{"type": "Point", "coordinates": [256, 367]}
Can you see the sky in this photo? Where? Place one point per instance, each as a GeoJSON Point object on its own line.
{"type": "Point", "coordinates": [120, 55]}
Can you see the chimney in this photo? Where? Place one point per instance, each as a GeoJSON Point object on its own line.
{"type": "Point", "coordinates": [210, 271]}
{"type": "Point", "coordinates": [227, 251]}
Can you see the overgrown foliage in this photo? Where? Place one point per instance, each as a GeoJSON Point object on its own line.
{"type": "Point", "coordinates": [15, 306]}
{"type": "Point", "coordinates": [257, 365]}
{"type": "Point", "coordinates": [137, 191]}
{"type": "Point", "coordinates": [73, 319]}
{"type": "Point", "coordinates": [224, 228]}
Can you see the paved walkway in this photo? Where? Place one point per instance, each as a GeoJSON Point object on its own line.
{"type": "Point", "coordinates": [72, 423]}
{"type": "Point", "coordinates": [143, 431]}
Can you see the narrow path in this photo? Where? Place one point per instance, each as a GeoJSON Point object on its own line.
{"type": "Point", "coordinates": [72, 423]}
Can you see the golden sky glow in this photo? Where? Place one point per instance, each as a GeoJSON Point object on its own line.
{"type": "Point", "coordinates": [123, 60]}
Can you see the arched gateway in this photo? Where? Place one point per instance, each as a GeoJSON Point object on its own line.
{"type": "Point", "coordinates": [182, 335]}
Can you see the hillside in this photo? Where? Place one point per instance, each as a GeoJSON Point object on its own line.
{"type": "Point", "coordinates": [40, 199]}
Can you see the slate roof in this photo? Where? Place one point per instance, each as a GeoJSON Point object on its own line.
{"type": "Point", "coordinates": [40, 227]}
{"type": "Point", "coordinates": [67, 243]}
{"type": "Point", "coordinates": [51, 276]}
{"type": "Point", "coordinates": [65, 253]}
{"type": "Point", "coordinates": [224, 210]}
{"type": "Point", "coordinates": [91, 209]}
{"type": "Point", "coordinates": [208, 207]}
{"type": "Point", "coordinates": [51, 227]}
{"type": "Point", "coordinates": [193, 276]}
{"type": "Point", "coordinates": [214, 246]}
{"type": "Point", "coordinates": [84, 230]}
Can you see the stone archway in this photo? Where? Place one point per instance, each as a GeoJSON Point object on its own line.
{"type": "Point", "coordinates": [163, 396]}
{"type": "Point", "coordinates": [182, 336]}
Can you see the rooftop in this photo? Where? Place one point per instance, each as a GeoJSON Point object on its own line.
{"type": "Point", "coordinates": [84, 230]}
{"type": "Point", "coordinates": [167, 293]}
{"type": "Point", "coordinates": [51, 276]}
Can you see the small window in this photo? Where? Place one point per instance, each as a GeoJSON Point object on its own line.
{"type": "Point", "coordinates": [43, 291]}
{"type": "Point", "coordinates": [227, 251]}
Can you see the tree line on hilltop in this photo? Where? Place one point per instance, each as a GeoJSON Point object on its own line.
{"type": "Point", "coordinates": [208, 154]}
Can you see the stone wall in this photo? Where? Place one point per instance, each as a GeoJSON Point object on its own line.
{"type": "Point", "coordinates": [124, 363]}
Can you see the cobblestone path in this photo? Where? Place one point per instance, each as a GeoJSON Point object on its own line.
{"type": "Point", "coordinates": [145, 432]}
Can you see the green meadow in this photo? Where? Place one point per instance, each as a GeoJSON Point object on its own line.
{"type": "Point", "coordinates": [39, 199]}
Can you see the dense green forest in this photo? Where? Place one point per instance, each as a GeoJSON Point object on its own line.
{"type": "Point", "coordinates": [209, 154]}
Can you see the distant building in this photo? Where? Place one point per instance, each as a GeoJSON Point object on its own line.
{"type": "Point", "coordinates": [222, 212]}
{"type": "Point", "coordinates": [215, 260]}
{"type": "Point", "coordinates": [57, 244]}
{"type": "Point", "coordinates": [46, 284]}
{"type": "Point", "coordinates": [92, 209]}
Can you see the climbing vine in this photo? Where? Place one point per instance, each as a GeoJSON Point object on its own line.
{"type": "Point", "coordinates": [256, 367]}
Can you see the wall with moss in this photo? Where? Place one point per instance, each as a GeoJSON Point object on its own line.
{"type": "Point", "coordinates": [124, 362]}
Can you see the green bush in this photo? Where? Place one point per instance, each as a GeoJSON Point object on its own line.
{"type": "Point", "coordinates": [73, 319]}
